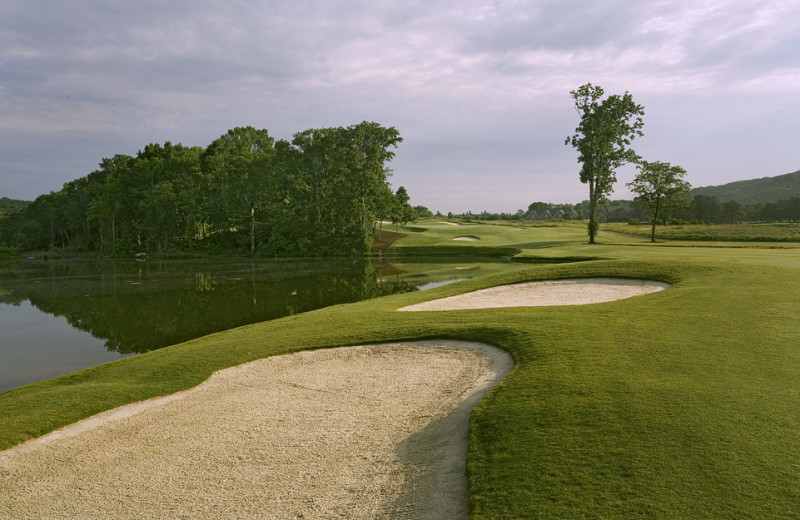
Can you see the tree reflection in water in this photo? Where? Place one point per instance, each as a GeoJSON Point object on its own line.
{"type": "Point", "coordinates": [141, 306]}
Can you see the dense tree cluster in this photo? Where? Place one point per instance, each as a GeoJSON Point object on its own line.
{"type": "Point", "coordinates": [319, 194]}
{"type": "Point", "coordinates": [11, 205]}
{"type": "Point", "coordinates": [710, 210]}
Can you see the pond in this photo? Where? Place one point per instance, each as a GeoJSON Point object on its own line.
{"type": "Point", "coordinates": [59, 316]}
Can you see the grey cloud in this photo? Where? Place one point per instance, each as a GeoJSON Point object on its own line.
{"type": "Point", "coordinates": [568, 26]}
{"type": "Point", "coordinates": [476, 88]}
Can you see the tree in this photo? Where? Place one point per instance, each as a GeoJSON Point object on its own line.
{"type": "Point", "coordinates": [403, 212]}
{"type": "Point", "coordinates": [319, 194]}
{"type": "Point", "coordinates": [731, 212]}
{"type": "Point", "coordinates": [660, 187]}
{"type": "Point", "coordinates": [238, 164]}
{"type": "Point", "coordinates": [705, 208]}
{"type": "Point", "coordinates": [603, 140]}
{"type": "Point", "coordinates": [344, 175]}
{"type": "Point", "coordinates": [423, 212]}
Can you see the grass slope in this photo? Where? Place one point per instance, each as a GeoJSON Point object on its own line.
{"type": "Point", "coordinates": [680, 404]}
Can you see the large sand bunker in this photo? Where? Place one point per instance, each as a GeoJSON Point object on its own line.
{"type": "Point", "coordinates": [357, 432]}
{"type": "Point", "coordinates": [579, 291]}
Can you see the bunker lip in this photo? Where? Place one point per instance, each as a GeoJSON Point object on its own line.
{"type": "Point", "coordinates": [358, 432]}
{"type": "Point", "coordinates": [576, 291]}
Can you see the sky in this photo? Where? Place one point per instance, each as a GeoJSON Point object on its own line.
{"type": "Point", "coordinates": [479, 90]}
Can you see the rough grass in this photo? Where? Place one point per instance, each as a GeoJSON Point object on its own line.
{"type": "Point", "coordinates": [680, 404]}
{"type": "Point", "coordinates": [774, 232]}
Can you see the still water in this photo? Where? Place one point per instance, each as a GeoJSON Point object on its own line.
{"type": "Point", "coordinates": [60, 316]}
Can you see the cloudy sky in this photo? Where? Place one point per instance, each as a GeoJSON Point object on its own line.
{"type": "Point", "coordinates": [479, 90]}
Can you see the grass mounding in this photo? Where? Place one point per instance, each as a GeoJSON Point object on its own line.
{"type": "Point", "coordinates": [683, 403]}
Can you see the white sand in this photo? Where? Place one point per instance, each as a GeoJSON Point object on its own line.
{"type": "Point", "coordinates": [450, 223]}
{"type": "Point", "coordinates": [467, 239]}
{"type": "Point", "coordinates": [354, 432]}
{"type": "Point", "coordinates": [535, 294]}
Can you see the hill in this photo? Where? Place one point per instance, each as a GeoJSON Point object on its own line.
{"type": "Point", "coordinates": [765, 189]}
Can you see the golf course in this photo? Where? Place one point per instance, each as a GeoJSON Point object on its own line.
{"type": "Point", "coordinates": [683, 402]}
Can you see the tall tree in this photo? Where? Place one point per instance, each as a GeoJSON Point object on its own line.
{"type": "Point", "coordinates": [238, 163]}
{"type": "Point", "coordinates": [603, 140]}
{"type": "Point", "coordinates": [660, 187]}
{"type": "Point", "coordinates": [344, 181]}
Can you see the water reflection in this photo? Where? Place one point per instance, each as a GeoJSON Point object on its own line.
{"type": "Point", "coordinates": [135, 307]}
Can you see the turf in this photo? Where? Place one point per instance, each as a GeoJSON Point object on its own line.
{"type": "Point", "coordinates": [680, 404]}
{"type": "Point", "coordinates": [772, 232]}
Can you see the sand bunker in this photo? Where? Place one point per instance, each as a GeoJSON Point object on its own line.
{"type": "Point", "coordinates": [467, 239]}
{"type": "Point", "coordinates": [356, 432]}
{"type": "Point", "coordinates": [579, 291]}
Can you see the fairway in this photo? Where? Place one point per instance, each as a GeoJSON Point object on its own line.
{"type": "Point", "coordinates": [682, 403]}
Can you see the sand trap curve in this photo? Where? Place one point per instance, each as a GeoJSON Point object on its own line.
{"type": "Point", "coordinates": [356, 432]}
{"type": "Point", "coordinates": [578, 291]}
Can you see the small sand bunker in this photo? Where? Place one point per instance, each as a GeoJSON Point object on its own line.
{"type": "Point", "coordinates": [579, 291]}
{"type": "Point", "coordinates": [467, 239]}
{"type": "Point", "coordinates": [449, 223]}
{"type": "Point", "coordinates": [376, 431]}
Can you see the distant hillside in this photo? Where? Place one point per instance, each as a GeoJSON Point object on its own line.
{"type": "Point", "coordinates": [766, 189]}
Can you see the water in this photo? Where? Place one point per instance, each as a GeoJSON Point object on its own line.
{"type": "Point", "coordinates": [60, 316]}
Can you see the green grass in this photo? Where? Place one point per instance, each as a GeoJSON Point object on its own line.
{"type": "Point", "coordinates": [679, 404]}
{"type": "Point", "coordinates": [774, 232]}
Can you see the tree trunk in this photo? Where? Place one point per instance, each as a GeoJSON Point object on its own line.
{"type": "Point", "coordinates": [655, 217]}
{"type": "Point", "coordinates": [593, 226]}
{"type": "Point", "coordinates": [252, 228]}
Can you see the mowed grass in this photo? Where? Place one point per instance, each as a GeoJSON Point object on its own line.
{"type": "Point", "coordinates": [679, 404]}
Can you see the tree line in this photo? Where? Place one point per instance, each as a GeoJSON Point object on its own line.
{"type": "Point", "coordinates": [701, 209]}
{"type": "Point", "coordinates": [709, 209]}
{"type": "Point", "coordinates": [319, 194]}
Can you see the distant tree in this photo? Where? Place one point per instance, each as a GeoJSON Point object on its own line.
{"type": "Point", "coordinates": [403, 212]}
{"type": "Point", "coordinates": [731, 212]}
{"type": "Point", "coordinates": [781, 210]}
{"type": "Point", "coordinates": [603, 140]}
{"type": "Point", "coordinates": [660, 188]}
{"type": "Point", "coordinates": [705, 208]}
{"type": "Point", "coordinates": [791, 209]}
{"type": "Point", "coordinates": [423, 212]}
{"type": "Point", "coordinates": [12, 204]}
{"type": "Point", "coordinates": [384, 209]}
